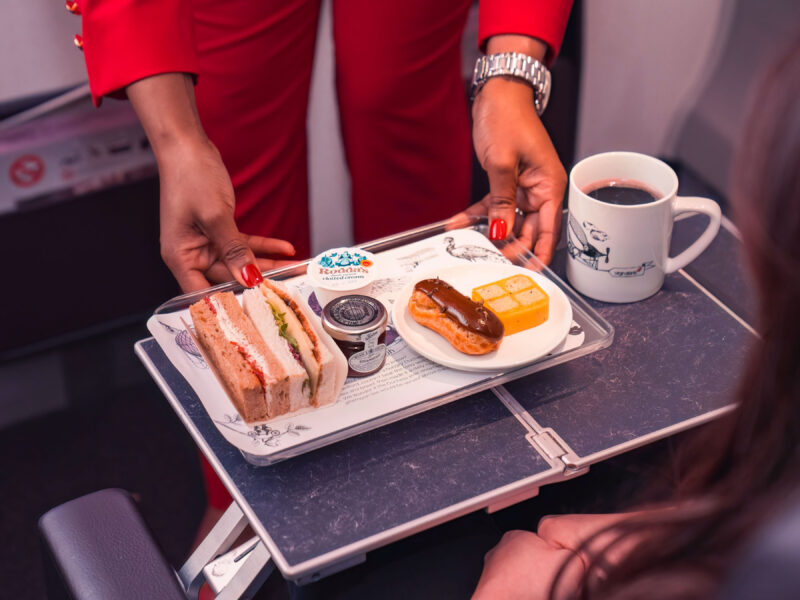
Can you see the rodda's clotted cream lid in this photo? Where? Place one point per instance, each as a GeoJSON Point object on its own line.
{"type": "Point", "coordinates": [342, 271]}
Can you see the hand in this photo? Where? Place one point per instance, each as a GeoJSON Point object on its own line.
{"type": "Point", "coordinates": [199, 239]}
{"type": "Point", "coordinates": [513, 147]}
{"type": "Point", "coordinates": [524, 566]}
{"type": "Point", "coordinates": [570, 532]}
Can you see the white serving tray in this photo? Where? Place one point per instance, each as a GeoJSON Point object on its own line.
{"type": "Point", "coordinates": [408, 383]}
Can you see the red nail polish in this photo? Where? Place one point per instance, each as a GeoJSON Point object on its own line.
{"type": "Point", "coordinates": [498, 230]}
{"type": "Point", "coordinates": [251, 275]}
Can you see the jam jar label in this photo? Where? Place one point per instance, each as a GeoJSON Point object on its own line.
{"type": "Point", "coordinates": [371, 357]}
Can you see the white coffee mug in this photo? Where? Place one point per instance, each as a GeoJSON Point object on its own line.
{"type": "Point", "coordinates": [619, 253]}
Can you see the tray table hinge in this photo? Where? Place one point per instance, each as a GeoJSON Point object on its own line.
{"type": "Point", "coordinates": [545, 442]}
{"type": "Point", "coordinates": [219, 540]}
{"type": "Point", "coordinates": [239, 574]}
{"type": "Point", "coordinates": [552, 446]}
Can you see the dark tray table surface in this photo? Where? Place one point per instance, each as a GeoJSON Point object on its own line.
{"type": "Point", "coordinates": [332, 497]}
{"type": "Point", "coordinates": [676, 356]}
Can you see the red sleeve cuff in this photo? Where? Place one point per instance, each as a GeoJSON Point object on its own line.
{"type": "Point", "coordinates": [542, 19]}
{"type": "Point", "coordinates": [127, 40]}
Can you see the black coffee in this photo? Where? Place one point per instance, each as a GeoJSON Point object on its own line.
{"type": "Point", "coordinates": [621, 192]}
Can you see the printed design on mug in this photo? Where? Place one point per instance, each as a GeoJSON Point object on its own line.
{"type": "Point", "coordinates": [584, 251]}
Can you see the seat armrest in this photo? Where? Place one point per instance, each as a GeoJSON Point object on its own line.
{"type": "Point", "coordinates": [103, 550]}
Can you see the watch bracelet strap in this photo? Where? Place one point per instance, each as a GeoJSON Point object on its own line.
{"type": "Point", "coordinates": [518, 65]}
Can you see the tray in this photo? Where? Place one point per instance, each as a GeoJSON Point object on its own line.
{"type": "Point", "coordinates": [408, 384]}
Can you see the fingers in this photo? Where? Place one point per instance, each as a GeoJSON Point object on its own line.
{"type": "Point", "coordinates": [549, 230]}
{"type": "Point", "coordinates": [479, 208]}
{"type": "Point", "coordinates": [502, 197]}
{"type": "Point", "coordinates": [219, 272]}
{"type": "Point", "coordinates": [460, 220]}
{"type": "Point", "coordinates": [191, 280]}
{"type": "Point", "coordinates": [588, 535]}
{"type": "Point", "coordinates": [558, 530]}
{"type": "Point", "coordinates": [264, 245]}
{"type": "Point", "coordinates": [529, 230]}
{"type": "Point", "coordinates": [233, 249]}
{"type": "Point", "coordinates": [268, 264]}
{"type": "Point", "coordinates": [466, 217]}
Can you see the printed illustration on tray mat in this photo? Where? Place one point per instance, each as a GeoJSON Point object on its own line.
{"type": "Point", "coordinates": [262, 434]}
{"type": "Point", "coordinates": [410, 262]}
{"type": "Point", "coordinates": [185, 342]}
{"type": "Point", "coordinates": [582, 250]}
{"type": "Point", "coordinates": [473, 253]}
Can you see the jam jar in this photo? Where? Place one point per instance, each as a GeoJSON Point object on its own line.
{"type": "Point", "coordinates": [358, 326]}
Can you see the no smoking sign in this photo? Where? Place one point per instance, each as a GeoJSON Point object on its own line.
{"type": "Point", "coordinates": [26, 171]}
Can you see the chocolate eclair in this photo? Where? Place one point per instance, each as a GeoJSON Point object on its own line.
{"type": "Point", "coordinates": [467, 325]}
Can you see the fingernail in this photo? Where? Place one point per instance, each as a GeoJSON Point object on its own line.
{"type": "Point", "coordinates": [498, 230]}
{"type": "Point", "coordinates": [251, 275]}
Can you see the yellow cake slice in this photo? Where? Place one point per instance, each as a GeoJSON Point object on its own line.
{"type": "Point", "coordinates": [519, 302]}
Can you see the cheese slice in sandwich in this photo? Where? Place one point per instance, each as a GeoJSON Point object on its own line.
{"type": "Point", "coordinates": [273, 310]}
{"type": "Point", "coordinates": [254, 378]}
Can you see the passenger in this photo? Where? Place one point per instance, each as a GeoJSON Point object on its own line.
{"type": "Point", "coordinates": [742, 469]}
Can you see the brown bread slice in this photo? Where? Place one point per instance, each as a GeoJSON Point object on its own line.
{"type": "Point", "coordinates": [254, 401]}
{"type": "Point", "coordinates": [276, 383]}
{"type": "Point", "coordinates": [236, 375]}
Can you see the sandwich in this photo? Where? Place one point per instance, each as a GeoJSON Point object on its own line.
{"type": "Point", "coordinates": [287, 330]}
{"type": "Point", "coordinates": [248, 369]}
{"type": "Point", "coordinates": [267, 355]}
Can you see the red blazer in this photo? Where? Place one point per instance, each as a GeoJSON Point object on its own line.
{"type": "Point", "coordinates": [128, 40]}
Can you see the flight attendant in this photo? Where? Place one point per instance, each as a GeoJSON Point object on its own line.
{"type": "Point", "coordinates": [221, 89]}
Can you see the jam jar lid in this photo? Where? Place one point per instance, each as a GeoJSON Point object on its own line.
{"type": "Point", "coordinates": [347, 318]}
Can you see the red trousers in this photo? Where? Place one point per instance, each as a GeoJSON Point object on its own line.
{"type": "Point", "coordinates": [402, 105]}
{"type": "Point", "coordinates": [404, 118]}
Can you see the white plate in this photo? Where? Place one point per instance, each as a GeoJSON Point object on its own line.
{"type": "Point", "coordinates": [515, 350]}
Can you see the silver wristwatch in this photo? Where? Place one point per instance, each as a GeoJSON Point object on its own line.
{"type": "Point", "coordinates": [516, 65]}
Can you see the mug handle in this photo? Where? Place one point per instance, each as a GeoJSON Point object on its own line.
{"type": "Point", "coordinates": [700, 205]}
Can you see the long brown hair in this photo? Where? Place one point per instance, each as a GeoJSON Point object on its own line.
{"type": "Point", "coordinates": [743, 466]}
